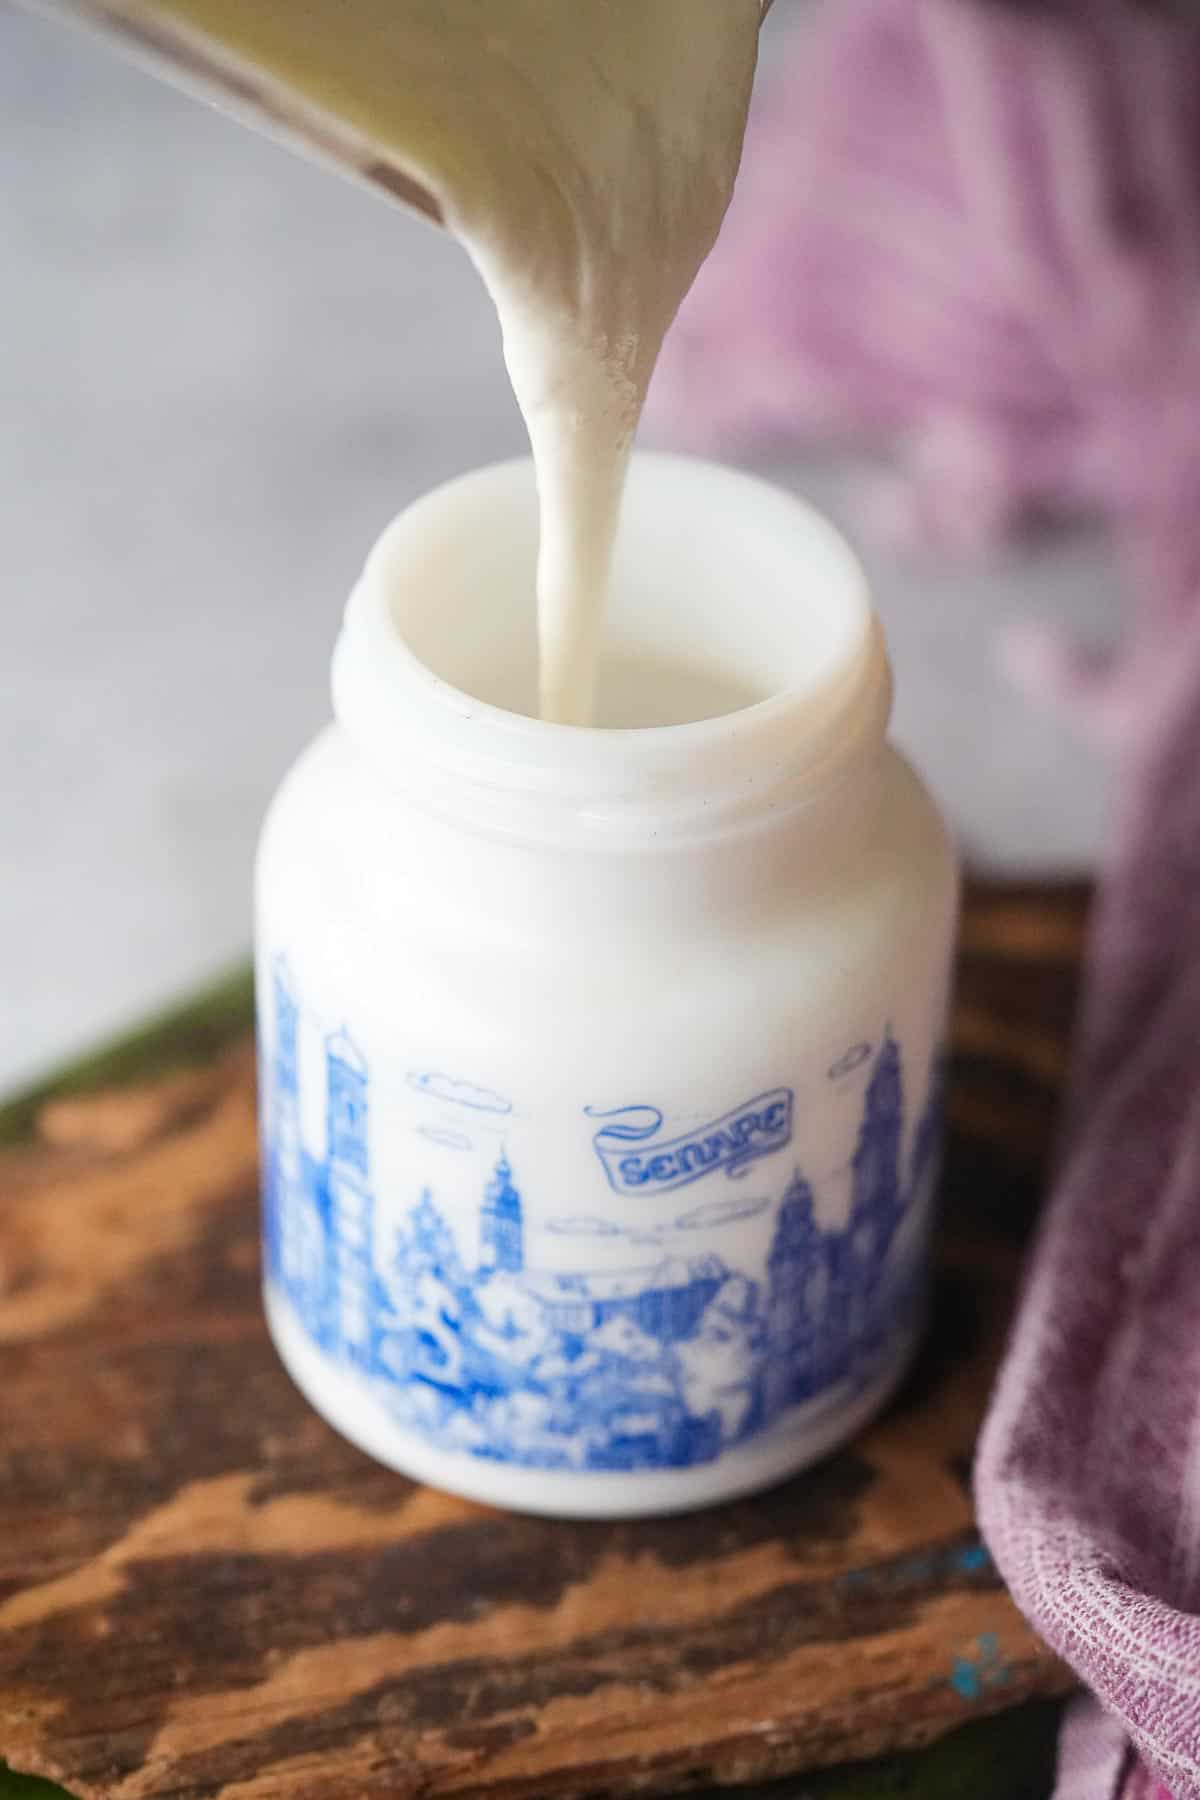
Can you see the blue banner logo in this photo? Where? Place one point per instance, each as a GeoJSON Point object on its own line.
{"type": "Point", "coordinates": [637, 1161]}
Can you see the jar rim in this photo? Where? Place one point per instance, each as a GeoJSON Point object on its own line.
{"type": "Point", "coordinates": [503, 771]}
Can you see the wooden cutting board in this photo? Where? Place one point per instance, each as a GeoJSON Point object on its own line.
{"type": "Point", "coordinates": [204, 1591]}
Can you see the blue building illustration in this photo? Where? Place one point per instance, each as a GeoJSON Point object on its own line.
{"type": "Point", "coordinates": [659, 1365]}
{"type": "Point", "coordinates": [319, 1214]}
{"type": "Point", "coordinates": [927, 1141]}
{"type": "Point", "coordinates": [798, 1278]}
{"type": "Point", "coordinates": [502, 1229]}
{"type": "Point", "coordinates": [826, 1296]}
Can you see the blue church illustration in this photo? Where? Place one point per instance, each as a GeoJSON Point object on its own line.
{"type": "Point", "coordinates": [502, 1228]}
{"type": "Point", "coordinates": [657, 1366]}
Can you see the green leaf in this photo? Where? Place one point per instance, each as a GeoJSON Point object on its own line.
{"type": "Point", "coordinates": [187, 1034]}
{"type": "Point", "coordinates": [28, 1787]}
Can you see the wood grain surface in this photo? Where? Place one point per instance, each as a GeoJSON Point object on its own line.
{"type": "Point", "coordinates": [204, 1591]}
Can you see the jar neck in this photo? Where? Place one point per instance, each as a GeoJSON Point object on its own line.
{"type": "Point", "coordinates": [712, 567]}
{"type": "Point", "coordinates": [716, 881]}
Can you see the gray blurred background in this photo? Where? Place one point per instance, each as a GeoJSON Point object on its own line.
{"type": "Point", "coordinates": [221, 372]}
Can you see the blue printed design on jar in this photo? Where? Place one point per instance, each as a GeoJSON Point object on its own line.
{"type": "Point", "coordinates": [662, 1365]}
{"type": "Point", "coordinates": [635, 1158]}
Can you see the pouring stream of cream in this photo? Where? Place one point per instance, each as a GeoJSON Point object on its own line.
{"type": "Point", "coordinates": [583, 151]}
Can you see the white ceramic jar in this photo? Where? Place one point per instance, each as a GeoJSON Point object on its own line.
{"type": "Point", "coordinates": [600, 1069]}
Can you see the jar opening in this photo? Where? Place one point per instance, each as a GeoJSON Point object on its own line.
{"type": "Point", "coordinates": [707, 613]}
{"type": "Point", "coordinates": [740, 659]}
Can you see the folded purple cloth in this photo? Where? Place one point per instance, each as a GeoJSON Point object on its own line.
{"type": "Point", "coordinates": [1088, 1474]}
{"type": "Point", "coordinates": [973, 231]}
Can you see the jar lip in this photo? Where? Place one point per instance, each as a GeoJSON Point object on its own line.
{"type": "Point", "coordinates": [506, 772]}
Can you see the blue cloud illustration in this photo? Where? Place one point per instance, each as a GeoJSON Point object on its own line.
{"type": "Point", "coordinates": [453, 1140]}
{"type": "Point", "coordinates": [719, 1212]}
{"type": "Point", "coordinates": [462, 1093]}
{"type": "Point", "coordinates": [585, 1226]}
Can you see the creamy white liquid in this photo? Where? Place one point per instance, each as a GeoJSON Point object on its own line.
{"type": "Point", "coordinates": [588, 244]}
{"type": "Point", "coordinates": [633, 691]}
{"type": "Point", "coordinates": [584, 152]}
